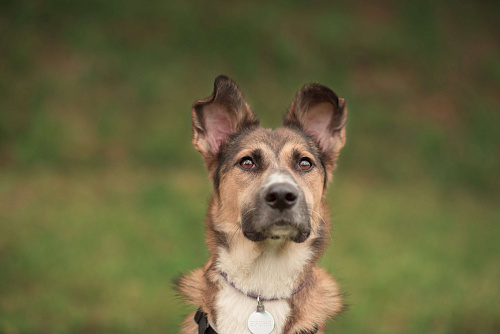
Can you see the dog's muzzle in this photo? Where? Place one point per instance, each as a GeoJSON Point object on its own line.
{"type": "Point", "coordinates": [281, 213]}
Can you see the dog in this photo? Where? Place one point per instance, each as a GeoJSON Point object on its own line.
{"type": "Point", "coordinates": [267, 224]}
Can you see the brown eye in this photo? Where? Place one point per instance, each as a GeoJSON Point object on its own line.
{"type": "Point", "coordinates": [305, 164]}
{"type": "Point", "coordinates": [247, 163]}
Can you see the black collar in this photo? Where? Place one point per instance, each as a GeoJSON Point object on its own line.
{"type": "Point", "coordinates": [204, 327]}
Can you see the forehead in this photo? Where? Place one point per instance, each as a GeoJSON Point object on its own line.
{"type": "Point", "coordinates": [271, 140]}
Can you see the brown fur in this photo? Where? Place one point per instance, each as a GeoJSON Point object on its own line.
{"type": "Point", "coordinates": [224, 131]}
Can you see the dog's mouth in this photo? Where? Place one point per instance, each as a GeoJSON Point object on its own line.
{"type": "Point", "coordinates": [281, 229]}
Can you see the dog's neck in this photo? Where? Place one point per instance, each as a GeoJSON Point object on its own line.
{"type": "Point", "coordinates": [271, 269]}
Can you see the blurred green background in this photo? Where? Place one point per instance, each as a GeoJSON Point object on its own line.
{"type": "Point", "coordinates": [102, 197]}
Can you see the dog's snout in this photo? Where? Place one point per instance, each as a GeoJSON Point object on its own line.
{"type": "Point", "coordinates": [281, 196]}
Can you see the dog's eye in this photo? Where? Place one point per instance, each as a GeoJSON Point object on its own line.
{"type": "Point", "coordinates": [247, 163]}
{"type": "Point", "coordinates": [305, 164]}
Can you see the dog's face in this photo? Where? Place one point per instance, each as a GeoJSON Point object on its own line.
{"type": "Point", "coordinates": [269, 183]}
{"type": "Point", "coordinates": [269, 180]}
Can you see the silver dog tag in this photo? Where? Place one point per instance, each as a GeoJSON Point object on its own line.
{"type": "Point", "coordinates": [260, 321]}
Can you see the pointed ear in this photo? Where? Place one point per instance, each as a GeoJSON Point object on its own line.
{"type": "Point", "coordinates": [218, 116]}
{"type": "Point", "coordinates": [318, 111]}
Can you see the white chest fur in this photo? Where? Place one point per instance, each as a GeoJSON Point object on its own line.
{"type": "Point", "coordinates": [273, 271]}
{"type": "Point", "coordinates": [234, 308]}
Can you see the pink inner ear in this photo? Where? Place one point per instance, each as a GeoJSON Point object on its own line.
{"type": "Point", "coordinates": [318, 118]}
{"type": "Point", "coordinates": [218, 125]}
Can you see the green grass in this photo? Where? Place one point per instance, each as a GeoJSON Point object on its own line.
{"type": "Point", "coordinates": [102, 196]}
{"type": "Point", "coordinates": [97, 251]}
{"type": "Point", "coordinates": [424, 261]}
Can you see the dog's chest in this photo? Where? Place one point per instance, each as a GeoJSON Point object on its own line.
{"type": "Point", "coordinates": [233, 309]}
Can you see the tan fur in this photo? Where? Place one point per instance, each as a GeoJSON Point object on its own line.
{"type": "Point", "coordinates": [189, 326]}
{"type": "Point", "coordinates": [274, 267]}
{"type": "Point", "coordinates": [322, 300]}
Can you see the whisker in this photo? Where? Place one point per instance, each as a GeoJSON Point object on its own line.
{"type": "Point", "coordinates": [238, 225]}
{"type": "Point", "coordinates": [235, 228]}
{"type": "Point", "coordinates": [247, 212]}
{"type": "Point", "coordinates": [324, 222]}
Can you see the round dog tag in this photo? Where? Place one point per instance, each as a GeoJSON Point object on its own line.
{"type": "Point", "coordinates": [261, 322]}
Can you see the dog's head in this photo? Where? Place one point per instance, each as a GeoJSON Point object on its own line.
{"type": "Point", "coordinates": [268, 182]}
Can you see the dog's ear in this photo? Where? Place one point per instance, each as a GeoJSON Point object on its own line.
{"type": "Point", "coordinates": [218, 116]}
{"type": "Point", "coordinates": [318, 111]}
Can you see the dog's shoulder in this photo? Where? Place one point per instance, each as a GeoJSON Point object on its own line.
{"type": "Point", "coordinates": [327, 291]}
{"type": "Point", "coordinates": [323, 301]}
{"type": "Point", "coordinates": [192, 286]}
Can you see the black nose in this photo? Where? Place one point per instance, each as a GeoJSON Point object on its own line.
{"type": "Point", "coordinates": [281, 196]}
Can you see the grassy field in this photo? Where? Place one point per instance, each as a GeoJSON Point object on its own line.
{"type": "Point", "coordinates": [102, 197]}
